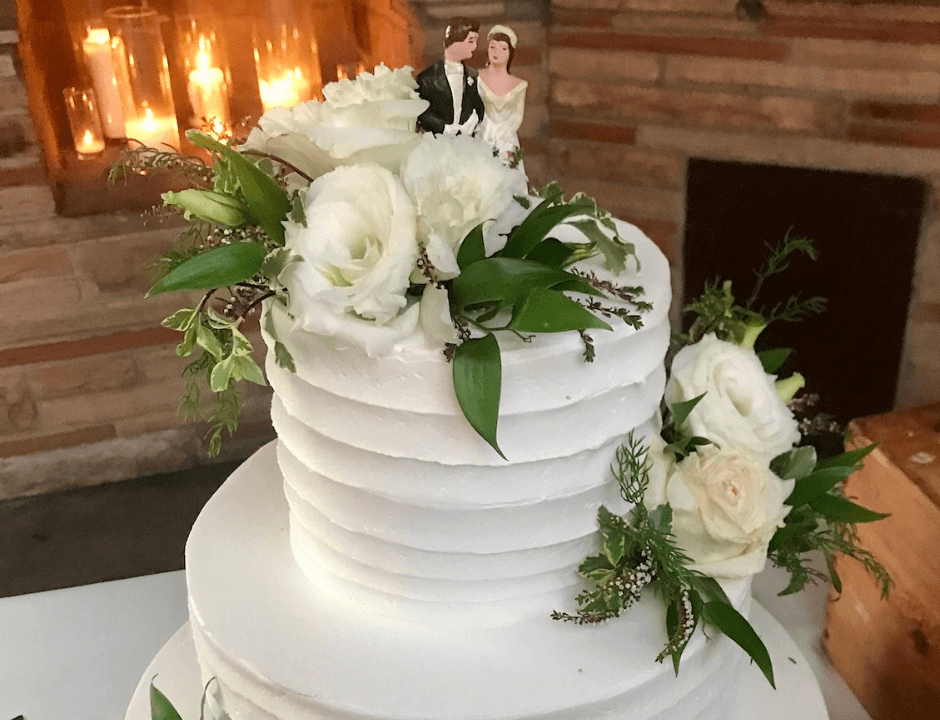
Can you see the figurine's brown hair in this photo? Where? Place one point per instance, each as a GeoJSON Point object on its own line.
{"type": "Point", "coordinates": [458, 28]}
{"type": "Point", "coordinates": [506, 39]}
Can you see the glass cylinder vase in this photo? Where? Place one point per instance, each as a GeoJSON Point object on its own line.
{"type": "Point", "coordinates": [206, 70]}
{"type": "Point", "coordinates": [83, 120]}
{"type": "Point", "coordinates": [138, 54]}
{"type": "Point", "coordinates": [286, 56]}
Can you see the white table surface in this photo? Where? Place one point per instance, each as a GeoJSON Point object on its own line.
{"type": "Point", "coordinates": [78, 653]}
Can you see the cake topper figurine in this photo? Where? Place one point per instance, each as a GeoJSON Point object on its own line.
{"type": "Point", "coordinates": [503, 96]}
{"type": "Point", "coordinates": [451, 86]}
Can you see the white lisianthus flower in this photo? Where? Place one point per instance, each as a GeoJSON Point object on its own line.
{"type": "Point", "coordinates": [660, 466]}
{"type": "Point", "coordinates": [369, 119]}
{"type": "Point", "coordinates": [741, 408]}
{"type": "Point", "coordinates": [358, 250]}
{"type": "Point", "coordinates": [727, 505]}
{"type": "Point", "coordinates": [456, 184]}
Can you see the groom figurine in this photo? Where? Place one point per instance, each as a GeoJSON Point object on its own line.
{"type": "Point", "coordinates": [450, 86]}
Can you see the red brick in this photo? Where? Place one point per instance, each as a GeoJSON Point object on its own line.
{"type": "Point", "coordinates": [583, 18]}
{"type": "Point", "coordinates": [894, 135]}
{"type": "Point", "coordinates": [897, 112]}
{"type": "Point", "coordinates": [926, 312]}
{"type": "Point", "coordinates": [618, 163]}
{"type": "Point", "coordinates": [696, 107]}
{"type": "Point", "coordinates": [903, 32]}
{"type": "Point", "coordinates": [675, 45]}
{"type": "Point", "coordinates": [56, 441]}
{"type": "Point", "coordinates": [89, 346]}
{"type": "Point", "coordinates": [592, 131]}
{"type": "Point", "coordinates": [664, 234]}
{"type": "Point", "coordinates": [36, 263]}
{"type": "Point", "coordinates": [27, 175]}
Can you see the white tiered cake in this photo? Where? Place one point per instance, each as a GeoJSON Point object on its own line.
{"type": "Point", "coordinates": [426, 565]}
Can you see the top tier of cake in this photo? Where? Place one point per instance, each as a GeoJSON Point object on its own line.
{"type": "Point", "coordinates": [397, 505]}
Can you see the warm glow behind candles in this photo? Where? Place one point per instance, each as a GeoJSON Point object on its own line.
{"type": "Point", "coordinates": [154, 131]}
{"type": "Point", "coordinates": [208, 93]}
{"type": "Point", "coordinates": [288, 89]}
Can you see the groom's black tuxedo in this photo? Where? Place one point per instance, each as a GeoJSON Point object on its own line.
{"type": "Point", "coordinates": [434, 87]}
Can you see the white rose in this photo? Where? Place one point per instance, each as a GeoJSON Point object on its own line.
{"type": "Point", "coordinates": [456, 184]}
{"type": "Point", "coordinates": [726, 505]}
{"type": "Point", "coordinates": [661, 465]}
{"type": "Point", "coordinates": [741, 408]}
{"type": "Point", "coordinates": [369, 119]}
{"type": "Point", "coordinates": [358, 250]}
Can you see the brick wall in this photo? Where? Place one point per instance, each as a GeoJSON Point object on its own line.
{"type": "Point", "coordinates": [640, 86]}
{"type": "Point", "coordinates": [622, 93]}
{"type": "Point", "coordinates": [89, 381]}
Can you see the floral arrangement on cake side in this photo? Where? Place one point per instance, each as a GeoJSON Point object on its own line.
{"type": "Point", "coordinates": [728, 483]}
{"type": "Point", "coordinates": [366, 230]}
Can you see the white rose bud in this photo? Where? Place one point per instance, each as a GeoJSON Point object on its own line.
{"type": "Point", "coordinates": [741, 408]}
{"type": "Point", "coordinates": [727, 505]}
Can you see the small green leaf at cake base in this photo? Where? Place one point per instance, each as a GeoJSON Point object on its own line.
{"type": "Point", "coordinates": [733, 624]}
{"type": "Point", "coordinates": [160, 707]}
{"type": "Point", "coordinates": [477, 384]}
{"type": "Point", "coordinates": [220, 267]}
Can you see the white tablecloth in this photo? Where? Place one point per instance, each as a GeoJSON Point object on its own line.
{"type": "Point", "coordinates": [78, 653]}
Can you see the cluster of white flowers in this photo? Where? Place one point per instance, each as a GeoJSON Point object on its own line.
{"type": "Point", "coordinates": [727, 503]}
{"type": "Point", "coordinates": [380, 193]}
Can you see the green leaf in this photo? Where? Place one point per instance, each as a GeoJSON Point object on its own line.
{"type": "Point", "coordinates": [711, 589]}
{"type": "Point", "coordinates": [207, 340]}
{"type": "Point", "coordinates": [615, 546]}
{"type": "Point", "coordinates": [181, 319]}
{"type": "Point", "coordinates": [614, 249]}
{"type": "Point", "coordinates": [578, 285]}
{"type": "Point", "coordinates": [502, 280]}
{"type": "Point", "coordinates": [817, 483]}
{"type": "Point", "coordinates": [798, 528]}
{"type": "Point", "coordinates": [724, 617]}
{"type": "Point", "coordinates": [548, 311]}
{"type": "Point", "coordinates": [267, 201]}
{"type": "Point", "coordinates": [160, 707]}
{"type": "Point", "coordinates": [550, 252]}
{"type": "Point", "coordinates": [523, 239]}
{"type": "Point", "coordinates": [833, 575]}
{"type": "Point", "coordinates": [298, 213]}
{"type": "Point", "coordinates": [247, 369]}
{"type": "Point", "coordinates": [595, 564]}
{"type": "Point", "coordinates": [477, 384]}
{"type": "Point", "coordinates": [222, 374]}
{"type": "Point", "coordinates": [773, 359]}
{"type": "Point", "coordinates": [220, 267]}
{"type": "Point", "coordinates": [794, 464]}
{"type": "Point", "coordinates": [472, 249]}
{"type": "Point", "coordinates": [185, 348]}
{"type": "Point", "coordinates": [275, 262]}
{"type": "Point", "coordinates": [833, 507]}
{"type": "Point", "coordinates": [847, 459]}
{"type": "Point", "coordinates": [681, 410]}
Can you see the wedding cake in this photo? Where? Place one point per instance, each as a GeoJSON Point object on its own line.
{"type": "Point", "coordinates": [468, 383]}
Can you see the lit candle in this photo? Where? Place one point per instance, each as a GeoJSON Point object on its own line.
{"type": "Point", "coordinates": [288, 89]}
{"type": "Point", "coordinates": [207, 90]}
{"type": "Point", "coordinates": [97, 49]}
{"type": "Point", "coordinates": [154, 131]}
{"type": "Point", "coordinates": [90, 144]}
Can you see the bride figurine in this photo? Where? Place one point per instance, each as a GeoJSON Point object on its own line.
{"type": "Point", "coordinates": [503, 97]}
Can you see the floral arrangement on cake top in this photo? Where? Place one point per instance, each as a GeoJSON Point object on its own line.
{"type": "Point", "coordinates": [368, 231]}
{"type": "Point", "coordinates": [728, 483]}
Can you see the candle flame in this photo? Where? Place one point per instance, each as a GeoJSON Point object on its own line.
{"type": "Point", "coordinates": [98, 36]}
{"type": "Point", "coordinates": [148, 123]}
{"type": "Point", "coordinates": [88, 139]}
{"type": "Point", "coordinates": [202, 60]}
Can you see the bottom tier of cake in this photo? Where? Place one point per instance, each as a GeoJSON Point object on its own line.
{"type": "Point", "coordinates": [277, 648]}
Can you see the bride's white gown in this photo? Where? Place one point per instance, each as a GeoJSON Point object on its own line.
{"type": "Point", "coordinates": [502, 119]}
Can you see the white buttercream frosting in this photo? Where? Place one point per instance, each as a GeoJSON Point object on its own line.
{"type": "Point", "coordinates": [426, 566]}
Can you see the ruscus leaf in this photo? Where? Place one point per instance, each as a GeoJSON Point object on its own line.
{"type": "Point", "coordinates": [477, 384]}
{"type": "Point", "coordinates": [816, 484]}
{"type": "Point", "coordinates": [833, 507]}
{"type": "Point", "coordinates": [502, 280]}
{"type": "Point", "coordinates": [794, 464]}
{"type": "Point", "coordinates": [773, 359]}
{"type": "Point", "coordinates": [549, 311]}
{"type": "Point", "coordinates": [681, 410]}
{"type": "Point", "coordinates": [219, 267]}
{"type": "Point", "coordinates": [847, 459]}
{"type": "Point", "coordinates": [160, 707]}
{"type": "Point", "coordinates": [523, 239]}
{"type": "Point", "coordinates": [472, 248]}
{"type": "Point", "coordinates": [550, 252]}
{"type": "Point", "coordinates": [733, 624]}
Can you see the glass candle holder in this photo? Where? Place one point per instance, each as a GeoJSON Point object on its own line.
{"type": "Point", "coordinates": [286, 57]}
{"type": "Point", "coordinates": [207, 74]}
{"type": "Point", "coordinates": [96, 51]}
{"type": "Point", "coordinates": [83, 120]}
{"type": "Point", "coordinates": [138, 54]}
